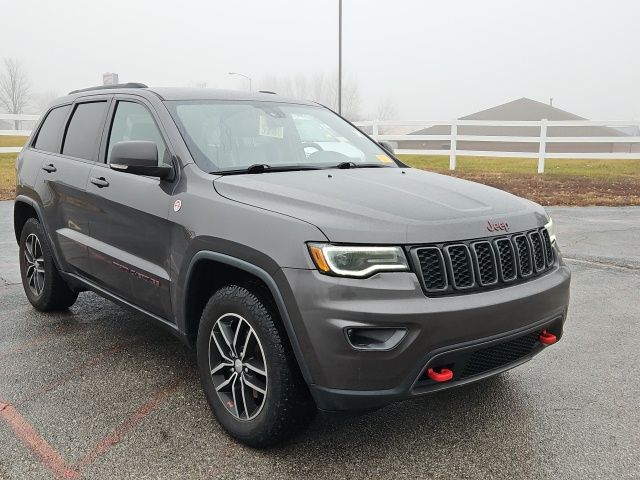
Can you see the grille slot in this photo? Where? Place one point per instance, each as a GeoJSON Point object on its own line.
{"type": "Point", "coordinates": [507, 258]}
{"type": "Point", "coordinates": [468, 266]}
{"type": "Point", "coordinates": [524, 255]}
{"type": "Point", "coordinates": [461, 267]}
{"type": "Point", "coordinates": [496, 356]}
{"type": "Point", "coordinates": [547, 246]}
{"type": "Point", "coordinates": [434, 272]}
{"type": "Point", "coordinates": [538, 251]}
{"type": "Point", "coordinates": [485, 263]}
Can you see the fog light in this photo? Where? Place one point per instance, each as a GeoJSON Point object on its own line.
{"type": "Point", "coordinates": [375, 338]}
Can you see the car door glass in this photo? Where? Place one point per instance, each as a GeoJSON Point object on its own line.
{"type": "Point", "coordinates": [84, 130]}
{"type": "Point", "coordinates": [133, 121]}
{"type": "Point", "coordinates": [50, 135]}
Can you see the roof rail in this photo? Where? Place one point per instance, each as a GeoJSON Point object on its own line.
{"type": "Point", "coordinates": [107, 87]}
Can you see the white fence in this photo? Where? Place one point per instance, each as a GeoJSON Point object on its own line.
{"type": "Point", "coordinates": [374, 127]}
{"type": "Point", "coordinates": [453, 137]}
{"type": "Point", "coordinates": [8, 117]}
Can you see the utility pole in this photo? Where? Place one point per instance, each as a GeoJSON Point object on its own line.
{"type": "Point", "coordinates": [340, 57]}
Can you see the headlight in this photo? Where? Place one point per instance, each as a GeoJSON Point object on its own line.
{"type": "Point", "coordinates": [551, 229]}
{"type": "Point", "coordinates": [352, 261]}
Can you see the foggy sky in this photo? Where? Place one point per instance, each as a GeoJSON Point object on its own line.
{"type": "Point", "coordinates": [435, 59]}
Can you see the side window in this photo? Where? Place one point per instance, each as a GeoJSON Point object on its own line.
{"type": "Point", "coordinates": [50, 135]}
{"type": "Point", "coordinates": [133, 121]}
{"type": "Point", "coordinates": [84, 130]}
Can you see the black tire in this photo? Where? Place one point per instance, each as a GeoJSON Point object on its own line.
{"type": "Point", "coordinates": [51, 292]}
{"type": "Point", "coordinates": [287, 407]}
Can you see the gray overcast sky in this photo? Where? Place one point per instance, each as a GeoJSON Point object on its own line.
{"type": "Point", "coordinates": [435, 59]}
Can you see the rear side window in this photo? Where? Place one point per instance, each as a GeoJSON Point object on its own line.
{"type": "Point", "coordinates": [84, 131]}
{"type": "Point", "coordinates": [50, 135]}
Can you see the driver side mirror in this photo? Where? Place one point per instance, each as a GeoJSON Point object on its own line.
{"type": "Point", "coordinates": [138, 157]}
{"type": "Point", "coordinates": [386, 146]}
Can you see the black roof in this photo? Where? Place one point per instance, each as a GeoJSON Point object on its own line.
{"type": "Point", "coordinates": [109, 87]}
{"type": "Point", "coordinates": [182, 93]}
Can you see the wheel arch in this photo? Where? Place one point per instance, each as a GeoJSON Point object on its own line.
{"type": "Point", "coordinates": [199, 287]}
{"type": "Point", "coordinates": [24, 208]}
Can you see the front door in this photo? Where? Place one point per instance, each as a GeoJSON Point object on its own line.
{"type": "Point", "coordinates": [131, 243]}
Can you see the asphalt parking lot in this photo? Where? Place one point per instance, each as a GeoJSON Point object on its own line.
{"type": "Point", "coordinates": [100, 392]}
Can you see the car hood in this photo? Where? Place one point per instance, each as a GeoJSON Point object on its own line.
{"type": "Point", "coordinates": [384, 205]}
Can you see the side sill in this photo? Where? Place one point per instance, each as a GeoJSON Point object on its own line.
{"type": "Point", "coordinates": [171, 327]}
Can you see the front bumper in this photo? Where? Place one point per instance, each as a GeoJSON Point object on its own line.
{"type": "Point", "coordinates": [440, 331]}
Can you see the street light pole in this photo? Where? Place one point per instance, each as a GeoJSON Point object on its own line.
{"type": "Point", "coordinates": [340, 57]}
{"type": "Point", "coordinates": [242, 75]}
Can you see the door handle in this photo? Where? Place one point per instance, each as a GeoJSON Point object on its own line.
{"type": "Point", "coordinates": [50, 168]}
{"type": "Point", "coordinates": [99, 182]}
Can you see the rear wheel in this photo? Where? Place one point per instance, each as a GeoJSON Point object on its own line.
{"type": "Point", "coordinates": [248, 371]}
{"type": "Point", "coordinates": [43, 285]}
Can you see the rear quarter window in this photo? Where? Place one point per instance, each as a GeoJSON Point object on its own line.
{"type": "Point", "coordinates": [84, 130]}
{"type": "Point", "coordinates": [49, 137]}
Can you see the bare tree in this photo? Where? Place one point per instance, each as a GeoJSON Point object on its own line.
{"type": "Point", "coordinates": [386, 110]}
{"type": "Point", "coordinates": [350, 99]}
{"type": "Point", "coordinates": [15, 90]}
{"type": "Point", "coordinates": [41, 101]}
{"type": "Point", "coordinates": [319, 87]}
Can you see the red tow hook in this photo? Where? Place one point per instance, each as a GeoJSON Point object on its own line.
{"type": "Point", "coordinates": [547, 338]}
{"type": "Point", "coordinates": [444, 375]}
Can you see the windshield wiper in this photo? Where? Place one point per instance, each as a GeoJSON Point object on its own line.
{"type": "Point", "coordinates": [265, 168]}
{"type": "Point", "coordinates": [258, 168]}
{"type": "Point", "coordinates": [345, 165]}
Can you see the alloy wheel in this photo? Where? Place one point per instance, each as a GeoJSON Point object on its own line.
{"type": "Point", "coordinates": [238, 367]}
{"type": "Point", "coordinates": [34, 264]}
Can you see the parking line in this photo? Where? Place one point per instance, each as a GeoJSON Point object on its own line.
{"type": "Point", "coordinates": [65, 377]}
{"type": "Point", "coordinates": [49, 458]}
{"type": "Point", "coordinates": [33, 342]}
{"type": "Point", "coordinates": [129, 423]}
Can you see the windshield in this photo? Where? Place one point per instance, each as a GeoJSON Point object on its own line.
{"type": "Point", "coordinates": [231, 136]}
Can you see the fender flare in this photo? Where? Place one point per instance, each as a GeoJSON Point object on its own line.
{"type": "Point", "coordinates": [38, 209]}
{"type": "Point", "coordinates": [32, 203]}
{"type": "Point", "coordinates": [271, 285]}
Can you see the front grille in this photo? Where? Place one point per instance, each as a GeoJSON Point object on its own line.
{"type": "Point", "coordinates": [538, 251]}
{"type": "Point", "coordinates": [506, 259]}
{"type": "Point", "coordinates": [435, 275]}
{"type": "Point", "coordinates": [461, 267]}
{"type": "Point", "coordinates": [524, 255]}
{"type": "Point", "coordinates": [496, 356]}
{"type": "Point", "coordinates": [483, 263]}
{"type": "Point", "coordinates": [486, 261]}
{"type": "Point", "coordinates": [548, 251]}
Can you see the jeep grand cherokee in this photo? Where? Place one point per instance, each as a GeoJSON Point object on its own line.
{"type": "Point", "coordinates": [309, 267]}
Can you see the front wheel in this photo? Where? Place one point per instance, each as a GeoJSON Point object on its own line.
{"type": "Point", "coordinates": [248, 371]}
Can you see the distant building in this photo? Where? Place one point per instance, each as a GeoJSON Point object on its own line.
{"type": "Point", "coordinates": [110, 78]}
{"type": "Point", "coordinates": [523, 109]}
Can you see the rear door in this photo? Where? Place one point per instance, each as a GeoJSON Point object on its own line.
{"type": "Point", "coordinates": [130, 249]}
{"type": "Point", "coordinates": [68, 143]}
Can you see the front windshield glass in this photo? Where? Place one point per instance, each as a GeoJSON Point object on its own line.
{"type": "Point", "coordinates": [229, 136]}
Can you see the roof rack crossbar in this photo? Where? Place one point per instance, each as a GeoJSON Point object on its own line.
{"type": "Point", "coordinates": [107, 87]}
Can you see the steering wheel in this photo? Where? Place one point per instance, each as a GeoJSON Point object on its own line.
{"type": "Point", "coordinates": [313, 145]}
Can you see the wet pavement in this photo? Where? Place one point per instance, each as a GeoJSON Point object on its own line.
{"type": "Point", "coordinates": [100, 392]}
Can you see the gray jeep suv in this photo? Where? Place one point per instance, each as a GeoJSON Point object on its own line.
{"type": "Point", "coordinates": [308, 266]}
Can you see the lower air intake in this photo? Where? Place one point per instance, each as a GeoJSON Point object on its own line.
{"type": "Point", "coordinates": [496, 356]}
